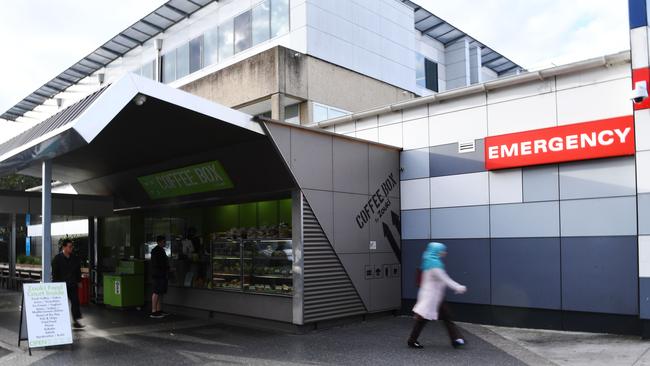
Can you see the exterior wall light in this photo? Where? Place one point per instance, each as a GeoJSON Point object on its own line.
{"type": "Point", "coordinates": [139, 99]}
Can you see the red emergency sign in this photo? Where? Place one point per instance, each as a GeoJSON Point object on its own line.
{"type": "Point", "coordinates": [580, 141]}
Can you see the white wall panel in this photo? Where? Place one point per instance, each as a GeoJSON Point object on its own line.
{"type": "Point", "coordinates": [416, 133]}
{"type": "Point", "coordinates": [457, 104]}
{"type": "Point", "coordinates": [642, 129]}
{"type": "Point", "coordinates": [643, 171]}
{"type": "Point", "coordinates": [390, 118]}
{"type": "Point", "coordinates": [644, 255]}
{"type": "Point", "coordinates": [521, 91]}
{"type": "Point", "coordinates": [593, 76]}
{"type": "Point", "coordinates": [371, 134]}
{"type": "Point", "coordinates": [391, 134]}
{"type": "Point", "coordinates": [506, 186]}
{"type": "Point", "coordinates": [365, 123]}
{"type": "Point", "coordinates": [344, 127]}
{"type": "Point", "coordinates": [464, 125]}
{"type": "Point", "coordinates": [414, 194]}
{"type": "Point", "coordinates": [415, 113]}
{"type": "Point", "coordinates": [594, 102]}
{"type": "Point", "coordinates": [460, 190]}
{"type": "Point", "coordinates": [522, 114]}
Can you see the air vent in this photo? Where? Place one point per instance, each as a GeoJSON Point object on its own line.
{"type": "Point", "coordinates": [466, 147]}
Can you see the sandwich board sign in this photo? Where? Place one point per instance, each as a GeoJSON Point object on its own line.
{"type": "Point", "coordinates": [45, 312]}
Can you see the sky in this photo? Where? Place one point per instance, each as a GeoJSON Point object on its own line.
{"type": "Point", "coordinates": [41, 38]}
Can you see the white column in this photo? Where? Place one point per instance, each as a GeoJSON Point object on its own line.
{"type": "Point", "coordinates": [46, 201]}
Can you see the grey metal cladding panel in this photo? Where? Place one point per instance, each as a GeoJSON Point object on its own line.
{"type": "Point", "coordinates": [411, 258]}
{"type": "Point", "coordinates": [599, 274]}
{"type": "Point", "coordinates": [384, 169]}
{"type": "Point", "coordinates": [88, 207]}
{"type": "Point", "coordinates": [414, 164]}
{"type": "Point", "coordinates": [385, 291]}
{"type": "Point", "coordinates": [386, 230]}
{"type": "Point", "coordinates": [599, 217]}
{"type": "Point", "coordinates": [540, 183]}
{"type": "Point", "coordinates": [350, 166]}
{"type": "Point", "coordinates": [445, 160]}
{"type": "Point", "coordinates": [311, 159]}
{"type": "Point", "coordinates": [526, 272]}
{"type": "Point", "coordinates": [468, 263]}
{"type": "Point", "coordinates": [461, 222]}
{"type": "Point", "coordinates": [355, 265]}
{"type": "Point", "coordinates": [348, 236]}
{"type": "Point", "coordinates": [416, 224]}
{"type": "Point", "coordinates": [644, 296]}
{"type": "Point", "coordinates": [281, 136]}
{"type": "Point", "coordinates": [644, 213]}
{"type": "Point", "coordinates": [10, 204]}
{"type": "Point", "coordinates": [322, 203]}
{"type": "Point", "coordinates": [598, 178]}
{"type": "Point", "coordinates": [525, 220]}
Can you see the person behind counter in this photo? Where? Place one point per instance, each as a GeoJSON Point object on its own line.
{"type": "Point", "coordinates": [66, 267]}
{"type": "Point", "coordinates": [159, 270]}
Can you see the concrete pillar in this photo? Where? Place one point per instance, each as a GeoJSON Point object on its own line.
{"type": "Point", "coordinates": [46, 200]}
{"type": "Point", "coordinates": [277, 106]}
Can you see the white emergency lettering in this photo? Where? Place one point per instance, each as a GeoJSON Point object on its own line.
{"type": "Point", "coordinates": [557, 144]}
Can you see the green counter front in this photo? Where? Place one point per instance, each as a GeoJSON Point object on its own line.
{"type": "Point", "coordinates": [123, 290]}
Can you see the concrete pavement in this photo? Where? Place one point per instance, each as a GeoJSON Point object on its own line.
{"type": "Point", "coordinates": [114, 337]}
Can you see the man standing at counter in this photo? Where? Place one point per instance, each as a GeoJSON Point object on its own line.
{"type": "Point", "coordinates": [66, 267]}
{"type": "Point", "coordinates": [159, 269]}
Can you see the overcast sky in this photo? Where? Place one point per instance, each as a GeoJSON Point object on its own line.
{"type": "Point", "coordinates": [41, 38]}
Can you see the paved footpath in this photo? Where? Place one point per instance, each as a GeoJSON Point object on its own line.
{"type": "Point", "coordinates": [114, 337]}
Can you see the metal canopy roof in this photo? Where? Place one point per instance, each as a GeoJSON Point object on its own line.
{"type": "Point", "coordinates": [446, 34]}
{"type": "Point", "coordinates": [158, 21]}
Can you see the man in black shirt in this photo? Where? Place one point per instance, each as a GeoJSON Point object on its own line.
{"type": "Point", "coordinates": [66, 267]}
{"type": "Point", "coordinates": [159, 269]}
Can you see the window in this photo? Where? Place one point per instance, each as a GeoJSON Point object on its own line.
{"type": "Point", "coordinates": [243, 32]}
{"type": "Point", "coordinates": [196, 54]}
{"type": "Point", "coordinates": [148, 70]}
{"type": "Point", "coordinates": [426, 73]}
{"type": "Point", "coordinates": [262, 22]}
{"type": "Point", "coordinates": [323, 112]}
{"type": "Point", "coordinates": [292, 114]}
{"type": "Point", "coordinates": [211, 47]}
{"type": "Point", "coordinates": [183, 61]}
{"type": "Point", "coordinates": [169, 67]}
{"type": "Point", "coordinates": [279, 17]}
{"type": "Point", "coordinates": [226, 39]}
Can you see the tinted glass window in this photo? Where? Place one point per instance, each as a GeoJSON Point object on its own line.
{"type": "Point", "coordinates": [243, 32]}
{"type": "Point", "coordinates": [196, 54]}
{"type": "Point", "coordinates": [182, 61]}
{"type": "Point", "coordinates": [419, 70]}
{"type": "Point", "coordinates": [169, 67]}
{"type": "Point", "coordinates": [226, 39]}
{"type": "Point", "coordinates": [148, 70]}
{"type": "Point", "coordinates": [261, 22]}
{"type": "Point", "coordinates": [211, 47]}
{"type": "Point", "coordinates": [279, 17]}
{"type": "Point", "coordinates": [431, 72]}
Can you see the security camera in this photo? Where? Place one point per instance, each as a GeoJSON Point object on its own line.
{"type": "Point", "coordinates": [640, 92]}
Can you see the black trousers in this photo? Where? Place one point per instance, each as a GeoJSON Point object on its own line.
{"type": "Point", "coordinates": [74, 300]}
{"type": "Point", "coordinates": [444, 315]}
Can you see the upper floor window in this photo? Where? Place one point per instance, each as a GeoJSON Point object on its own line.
{"type": "Point", "coordinates": [324, 112]}
{"type": "Point", "coordinates": [426, 73]}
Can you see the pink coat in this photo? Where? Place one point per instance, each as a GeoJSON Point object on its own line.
{"type": "Point", "coordinates": [432, 292]}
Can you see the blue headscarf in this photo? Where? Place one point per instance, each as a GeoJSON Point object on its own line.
{"type": "Point", "coordinates": [431, 256]}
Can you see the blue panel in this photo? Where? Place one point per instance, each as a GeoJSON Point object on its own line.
{"type": "Point", "coordinates": [637, 11]}
{"type": "Point", "coordinates": [445, 160]}
{"type": "Point", "coordinates": [414, 164]}
{"type": "Point", "coordinates": [415, 224]}
{"type": "Point", "coordinates": [411, 257]}
{"type": "Point", "coordinates": [599, 274]}
{"type": "Point", "coordinates": [526, 273]}
{"type": "Point", "coordinates": [468, 263]}
{"type": "Point", "coordinates": [644, 295]}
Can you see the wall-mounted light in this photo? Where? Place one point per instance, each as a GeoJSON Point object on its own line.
{"type": "Point", "coordinates": [59, 102]}
{"type": "Point", "coordinates": [158, 43]}
{"type": "Point", "coordinates": [100, 78]}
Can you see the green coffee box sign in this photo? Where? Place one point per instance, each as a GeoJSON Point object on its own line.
{"type": "Point", "coordinates": [204, 177]}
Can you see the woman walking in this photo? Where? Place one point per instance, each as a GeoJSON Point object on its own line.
{"type": "Point", "coordinates": [430, 304]}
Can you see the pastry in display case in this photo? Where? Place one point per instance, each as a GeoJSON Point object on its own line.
{"type": "Point", "coordinates": [271, 266]}
{"type": "Point", "coordinates": [226, 264]}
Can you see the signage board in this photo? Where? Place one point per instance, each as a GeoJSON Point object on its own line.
{"type": "Point", "coordinates": [47, 314]}
{"type": "Point", "coordinates": [199, 178]}
{"type": "Point", "coordinates": [581, 141]}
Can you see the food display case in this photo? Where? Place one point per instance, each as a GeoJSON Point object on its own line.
{"type": "Point", "coordinates": [258, 265]}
